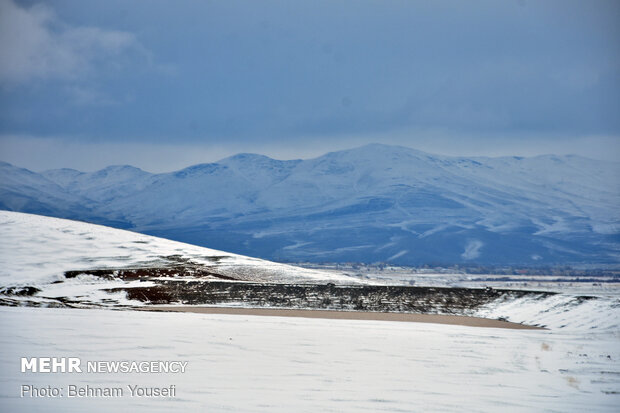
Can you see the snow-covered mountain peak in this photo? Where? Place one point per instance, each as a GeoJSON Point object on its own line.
{"type": "Point", "coordinates": [254, 158]}
{"type": "Point", "coordinates": [375, 152]}
{"type": "Point", "coordinates": [372, 203]}
{"type": "Point", "coordinates": [119, 169]}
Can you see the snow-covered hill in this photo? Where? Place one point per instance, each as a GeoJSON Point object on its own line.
{"type": "Point", "coordinates": [36, 251]}
{"type": "Point", "coordinates": [374, 203]}
{"type": "Point", "coordinates": [50, 262]}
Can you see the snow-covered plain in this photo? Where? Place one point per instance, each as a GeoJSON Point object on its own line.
{"type": "Point", "coordinates": [273, 364]}
{"type": "Point", "coordinates": [250, 363]}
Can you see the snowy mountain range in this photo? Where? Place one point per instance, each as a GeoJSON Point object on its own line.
{"type": "Point", "coordinates": [370, 204]}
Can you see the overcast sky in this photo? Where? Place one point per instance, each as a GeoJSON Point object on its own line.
{"type": "Point", "coordinates": [165, 84]}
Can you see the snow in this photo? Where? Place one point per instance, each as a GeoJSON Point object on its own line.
{"type": "Point", "coordinates": [557, 208]}
{"type": "Point", "coordinates": [277, 364]}
{"type": "Point", "coordinates": [273, 364]}
{"type": "Point", "coordinates": [37, 250]}
{"type": "Point", "coordinates": [560, 312]}
{"type": "Point", "coordinates": [577, 306]}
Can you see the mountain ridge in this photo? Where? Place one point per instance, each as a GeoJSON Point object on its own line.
{"type": "Point", "coordinates": [372, 203]}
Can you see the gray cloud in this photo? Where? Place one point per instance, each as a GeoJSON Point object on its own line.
{"type": "Point", "coordinates": [35, 44]}
{"type": "Point", "coordinates": [297, 79]}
